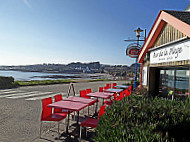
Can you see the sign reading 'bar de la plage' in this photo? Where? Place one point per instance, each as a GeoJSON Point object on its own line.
{"type": "Point", "coordinates": [175, 52]}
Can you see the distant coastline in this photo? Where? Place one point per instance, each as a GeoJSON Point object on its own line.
{"type": "Point", "coordinates": [31, 75]}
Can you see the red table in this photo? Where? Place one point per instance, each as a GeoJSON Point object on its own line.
{"type": "Point", "coordinates": [111, 90]}
{"type": "Point", "coordinates": [70, 106]}
{"type": "Point", "coordinates": [122, 86]}
{"type": "Point", "coordinates": [102, 95]}
{"type": "Point", "coordinates": [80, 99]}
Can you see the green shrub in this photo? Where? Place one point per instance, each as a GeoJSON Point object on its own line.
{"type": "Point", "coordinates": [42, 82]}
{"type": "Point", "coordinates": [143, 119]}
{"type": "Point", "coordinates": [6, 82]}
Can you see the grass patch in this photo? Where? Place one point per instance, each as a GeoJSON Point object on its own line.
{"type": "Point", "coordinates": [94, 80]}
{"type": "Point", "coordinates": [42, 82]}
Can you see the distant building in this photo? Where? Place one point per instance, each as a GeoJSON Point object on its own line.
{"type": "Point", "coordinates": [165, 55]}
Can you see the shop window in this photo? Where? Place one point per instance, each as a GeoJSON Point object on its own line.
{"type": "Point", "coordinates": [182, 81]}
{"type": "Point", "coordinates": [174, 82]}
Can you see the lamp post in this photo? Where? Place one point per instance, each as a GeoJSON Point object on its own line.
{"type": "Point", "coordinates": [138, 35]}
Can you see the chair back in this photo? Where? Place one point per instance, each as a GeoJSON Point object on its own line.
{"type": "Point", "coordinates": [115, 96]}
{"type": "Point", "coordinates": [120, 97]}
{"type": "Point", "coordinates": [130, 88]}
{"type": "Point", "coordinates": [88, 91]}
{"type": "Point", "coordinates": [83, 94]}
{"type": "Point", "coordinates": [101, 89]}
{"type": "Point", "coordinates": [101, 111]}
{"type": "Point", "coordinates": [108, 85]}
{"type": "Point", "coordinates": [128, 92]}
{"type": "Point", "coordinates": [113, 86]}
{"type": "Point", "coordinates": [46, 111]}
{"type": "Point", "coordinates": [56, 99]}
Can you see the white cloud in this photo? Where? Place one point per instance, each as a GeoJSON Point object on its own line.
{"type": "Point", "coordinates": [26, 2]}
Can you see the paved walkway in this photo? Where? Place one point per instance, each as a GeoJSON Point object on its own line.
{"type": "Point", "coordinates": [20, 111]}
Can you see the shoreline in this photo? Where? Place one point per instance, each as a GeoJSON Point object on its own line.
{"type": "Point", "coordinates": [33, 75]}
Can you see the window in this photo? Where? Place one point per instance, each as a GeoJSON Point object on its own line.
{"type": "Point", "coordinates": [174, 80]}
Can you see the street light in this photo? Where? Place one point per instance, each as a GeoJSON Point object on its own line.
{"type": "Point", "coordinates": [138, 35]}
{"type": "Point", "coordinates": [138, 32]}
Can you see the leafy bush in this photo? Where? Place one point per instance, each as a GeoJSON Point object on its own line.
{"type": "Point", "coordinates": [143, 119]}
{"type": "Point", "coordinates": [6, 82]}
{"type": "Point", "coordinates": [141, 91]}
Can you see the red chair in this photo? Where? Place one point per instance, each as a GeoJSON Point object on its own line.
{"type": "Point", "coordinates": [130, 87]}
{"type": "Point", "coordinates": [88, 91]}
{"type": "Point", "coordinates": [59, 111]}
{"type": "Point", "coordinates": [127, 92]}
{"type": "Point", "coordinates": [101, 89]}
{"type": "Point", "coordinates": [113, 86]}
{"type": "Point", "coordinates": [120, 97]}
{"type": "Point", "coordinates": [111, 101]}
{"type": "Point", "coordinates": [47, 115]}
{"type": "Point", "coordinates": [91, 122]}
{"type": "Point", "coordinates": [108, 85]}
{"type": "Point", "coordinates": [83, 94]}
{"type": "Point", "coordinates": [56, 99]}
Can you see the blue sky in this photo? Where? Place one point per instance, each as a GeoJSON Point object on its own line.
{"type": "Point", "coordinates": [64, 31]}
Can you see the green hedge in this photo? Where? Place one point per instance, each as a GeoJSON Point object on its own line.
{"type": "Point", "coordinates": [143, 119]}
{"type": "Point", "coordinates": [6, 82]}
{"type": "Point", "coordinates": [42, 82]}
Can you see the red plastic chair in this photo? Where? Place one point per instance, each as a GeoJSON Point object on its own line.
{"type": "Point", "coordinates": [91, 122]}
{"type": "Point", "coordinates": [56, 99]}
{"type": "Point", "coordinates": [83, 94]}
{"type": "Point", "coordinates": [47, 115]}
{"type": "Point", "coordinates": [59, 111]}
{"type": "Point", "coordinates": [108, 85]}
{"type": "Point", "coordinates": [127, 92]}
{"type": "Point", "coordinates": [101, 89]}
{"type": "Point", "coordinates": [130, 87]}
{"type": "Point", "coordinates": [113, 86]}
{"type": "Point", "coordinates": [110, 102]}
{"type": "Point", "coordinates": [88, 91]}
{"type": "Point", "coordinates": [120, 97]}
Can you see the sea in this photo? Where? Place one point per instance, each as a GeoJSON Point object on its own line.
{"type": "Point", "coordinates": [27, 76]}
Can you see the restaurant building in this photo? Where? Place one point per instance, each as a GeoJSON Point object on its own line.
{"type": "Point", "coordinates": [165, 55]}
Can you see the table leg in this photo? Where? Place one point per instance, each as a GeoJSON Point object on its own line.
{"type": "Point", "coordinates": [67, 128]}
{"type": "Point", "coordinates": [96, 113]}
{"type": "Point", "coordinates": [77, 117]}
{"type": "Point", "coordinates": [96, 107]}
{"type": "Point", "coordinates": [103, 102]}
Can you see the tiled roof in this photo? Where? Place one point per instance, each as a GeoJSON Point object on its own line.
{"type": "Point", "coordinates": [181, 15]}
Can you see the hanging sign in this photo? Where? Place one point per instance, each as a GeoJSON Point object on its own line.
{"type": "Point", "coordinates": [133, 50]}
